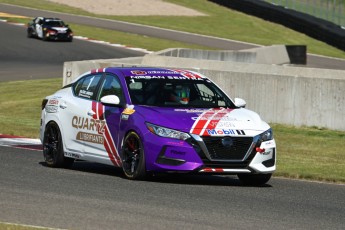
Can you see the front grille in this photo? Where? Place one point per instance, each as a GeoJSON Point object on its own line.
{"type": "Point", "coordinates": [236, 151]}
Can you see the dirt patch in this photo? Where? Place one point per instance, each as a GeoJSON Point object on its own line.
{"type": "Point", "coordinates": [131, 7]}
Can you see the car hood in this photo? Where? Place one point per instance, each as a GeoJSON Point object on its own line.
{"type": "Point", "coordinates": [202, 122]}
{"type": "Point", "coordinates": [59, 29]}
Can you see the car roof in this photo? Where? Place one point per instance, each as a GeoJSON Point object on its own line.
{"type": "Point", "coordinates": [145, 72]}
{"type": "Point", "coordinates": [52, 19]}
{"type": "Point", "coordinates": [153, 72]}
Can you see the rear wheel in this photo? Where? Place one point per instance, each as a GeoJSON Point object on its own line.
{"type": "Point", "coordinates": [133, 157]}
{"type": "Point", "coordinates": [53, 149]}
{"type": "Point", "coordinates": [254, 179]}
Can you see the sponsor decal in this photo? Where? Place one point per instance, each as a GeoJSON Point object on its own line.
{"type": "Point", "coordinates": [52, 106]}
{"type": "Point", "coordinates": [84, 93]}
{"type": "Point", "coordinates": [89, 124]}
{"type": "Point", "coordinates": [222, 124]}
{"type": "Point", "coordinates": [214, 117]}
{"type": "Point", "coordinates": [53, 102]}
{"type": "Point", "coordinates": [73, 155]}
{"type": "Point", "coordinates": [162, 72]}
{"type": "Point", "coordinates": [268, 144]}
{"type": "Point", "coordinates": [220, 132]}
{"type": "Point", "coordinates": [180, 77]}
{"type": "Point", "coordinates": [213, 132]}
{"type": "Point", "coordinates": [89, 137]}
{"type": "Point", "coordinates": [124, 117]}
{"type": "Point", "coordinates": [138, 72]}
{"type": "Point", "coordinates": [188, 74]}
{"type": "Point", "coordinates": [191, 111]}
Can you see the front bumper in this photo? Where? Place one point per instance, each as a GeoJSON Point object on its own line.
{"type": "Point", "coordinates": [207, 155]}
{"type": "Point", "coordinates": [59, 36]}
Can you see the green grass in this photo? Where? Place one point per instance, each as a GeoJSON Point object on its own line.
{"type": "Point", "coordinates": [219, 22]}
{"type": "Point", "coordinates": [9, 226]}
{"type": "Point", "coordinates": [131, 40]}
{"type": "Point", "coordinates": [20, 112]}
{"type": "Point", "coordinates": [308, 153]}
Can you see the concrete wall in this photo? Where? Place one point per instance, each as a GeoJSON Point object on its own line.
{"type": "Point", "coordinates": [280, 94]}
{"type": "Point", "coordinates": [260, 55]}
{"type": "Point", "coordinates": [286, 99]}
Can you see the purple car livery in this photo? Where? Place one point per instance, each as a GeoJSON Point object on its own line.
{"type": "Point", "coordinates": [153, 120]}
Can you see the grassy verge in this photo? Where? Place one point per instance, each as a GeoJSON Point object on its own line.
{"type": "Point", "coordinates": [219, 22]}
{"type": "Point", "coordinates": [307, 153]}
{"type": "Point", "coordinates": [9, 226]}
{"type": "Point", "coordinates": [20, 112]}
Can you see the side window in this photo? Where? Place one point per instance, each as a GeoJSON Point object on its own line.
{"type": "Point", "coordinates": [111, 86]}
{"type": "Point", "coordinates": [206, 94]}
{"type": "Point", "coordinates": [87, 86]}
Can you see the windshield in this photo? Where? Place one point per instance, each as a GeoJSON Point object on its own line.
{"type": "Point", "coordinates": [55, 23]}
{"type": "Point", "coordinates": [165, 92]}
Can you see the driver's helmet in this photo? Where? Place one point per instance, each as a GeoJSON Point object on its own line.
{"type": "Point", "coordinates": [181, 93]}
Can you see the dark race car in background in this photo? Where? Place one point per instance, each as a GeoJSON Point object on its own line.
{"type": "Point", "coordinates": [49, 29]}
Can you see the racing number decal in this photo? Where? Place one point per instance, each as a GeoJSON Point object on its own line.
{"type": "Point", "coordinates": [109, 144]}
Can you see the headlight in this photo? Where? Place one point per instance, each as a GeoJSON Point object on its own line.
{"type": "Point", "coordinates": [267, 135]}
{"type": "Point", "coordinates": [165, 132]}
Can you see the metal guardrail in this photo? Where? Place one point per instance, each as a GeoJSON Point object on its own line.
{"type": "Point", "coordinates": [330, 10]}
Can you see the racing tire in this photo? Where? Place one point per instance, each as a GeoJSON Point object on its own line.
{"type": "Point", "coordinates": [254, 179]}
{"type": "Point", "coordinates": [53, 148]}
{"type": "Point", "coordinates": [45, 38]}
{"type": "Point", "coordinates": [133, 157]}
{"type": "Point", "coordinates": [29, 34]}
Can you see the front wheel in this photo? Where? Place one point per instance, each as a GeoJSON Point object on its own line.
{"type": "Point", "coordinates": [53, 149]}
{"type": "Point", "coordinates": [29, 33]}
{"type": "Point", "coordinates": [254, 179]}
{"type": "Point", "coordinates": [133, 157]}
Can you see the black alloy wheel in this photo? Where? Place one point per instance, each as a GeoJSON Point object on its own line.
{"type": "Point", "coordinates": [133, 158]}
{"type": "Point", "coordinates": [53, 148]}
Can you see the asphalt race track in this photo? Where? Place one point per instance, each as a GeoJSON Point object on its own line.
{"type": "Point", "coordinates": [93, 196]}
{"type": "Point", "coordinates": [24, 58]}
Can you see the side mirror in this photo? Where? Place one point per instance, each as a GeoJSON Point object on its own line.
{"type": "Point", "coordinates": [110, 100]}
{"type": "Point", "coordinates": [239, 102]}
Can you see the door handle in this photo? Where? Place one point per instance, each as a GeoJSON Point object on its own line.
{"type": "Point", "coordinates": [91, 113]}
{"type": "Point", "coordinates": [63, 105]}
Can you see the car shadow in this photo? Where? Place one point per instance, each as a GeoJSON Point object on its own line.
{"type": "Point", "coordinates": [166, 178]}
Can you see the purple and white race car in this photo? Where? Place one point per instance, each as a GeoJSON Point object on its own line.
{"type": "Point", "coordinates": [153, 120]}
